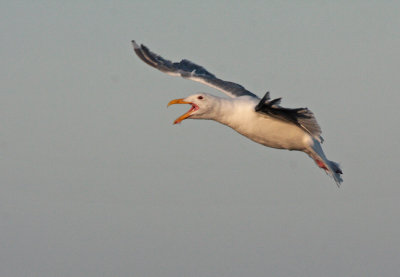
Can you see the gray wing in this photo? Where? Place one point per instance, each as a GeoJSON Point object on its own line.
{"type": "Point", "coordinates": [189, 70]}
{"type": "Point", "coordinates": [302, 117]}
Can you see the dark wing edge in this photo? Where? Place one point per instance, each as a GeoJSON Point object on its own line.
{"type": "Point", "coordinates": [302, 117]}
{"type": "Point", "coordinates": [189, 70]}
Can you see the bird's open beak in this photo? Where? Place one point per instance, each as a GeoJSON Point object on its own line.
{"type": "Point", "coordinates": [188, 113]}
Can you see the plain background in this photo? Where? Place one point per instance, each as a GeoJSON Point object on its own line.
{"type": "Point", "coordinates": [96, 181]}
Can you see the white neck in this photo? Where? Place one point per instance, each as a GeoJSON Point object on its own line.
{"type": "Point", "coordinates": [222, 110]}
{"type": "Point", "coordinates": [232, 112]}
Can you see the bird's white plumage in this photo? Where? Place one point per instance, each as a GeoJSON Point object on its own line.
{"type": "Point", "coordinates": [261, 120]}
{"type": "Point", "coordinates": [239, 114]}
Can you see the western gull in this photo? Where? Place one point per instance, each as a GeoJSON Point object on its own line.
{"type": "Point", "coordinates": [261, 120]}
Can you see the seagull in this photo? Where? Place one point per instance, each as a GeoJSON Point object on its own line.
{"type": "Point", "coordinates": [262, 120]}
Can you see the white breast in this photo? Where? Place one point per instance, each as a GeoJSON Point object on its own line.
{"type": "Point", "coordinates": [239, 114]}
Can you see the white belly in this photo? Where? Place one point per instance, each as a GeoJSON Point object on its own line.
{"type": "Point", "coordinates": [267, 130]}
{"type": "Point", "coordinates": [275, 133]}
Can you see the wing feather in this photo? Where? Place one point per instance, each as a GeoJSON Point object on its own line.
{"type": "Point", "coordinates": [189, 70]}
{"type": "Point", "coordinates": [302, 117]}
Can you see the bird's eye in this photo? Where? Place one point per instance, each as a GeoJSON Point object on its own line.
{"type": "Point", "coordinates": [200, 97]}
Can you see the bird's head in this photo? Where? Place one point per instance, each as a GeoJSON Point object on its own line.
{"type": "Point", "coordinates": [203, 106]}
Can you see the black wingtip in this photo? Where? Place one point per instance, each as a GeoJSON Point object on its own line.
{"type": "Point", "coordinates": [266, 97]}
{"type": "Point", "coordinates": [135, 45]}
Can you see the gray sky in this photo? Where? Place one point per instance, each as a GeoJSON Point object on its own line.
{"type": "Point", "coordinates": [96, 181]}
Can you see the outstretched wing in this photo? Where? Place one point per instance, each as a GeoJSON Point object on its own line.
{"type": "Point", "coordinates": [302, 117]}
{"type": "Point", "coordinates": [189, 70]}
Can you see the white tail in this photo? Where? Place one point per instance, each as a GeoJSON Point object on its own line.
{"type": "Point", "coordinates": [331, 168]}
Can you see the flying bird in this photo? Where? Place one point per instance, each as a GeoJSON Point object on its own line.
{"type": "Point", "coordinates": [261, 120]}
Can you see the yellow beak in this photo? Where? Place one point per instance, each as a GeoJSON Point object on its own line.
{"type": "Point", "coordinates": [177, 101]}
{"type": "Point", "coordinates": [187, 114]}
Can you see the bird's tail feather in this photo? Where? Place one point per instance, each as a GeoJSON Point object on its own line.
{"type": "Point", "coordinates": [331, 168]}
